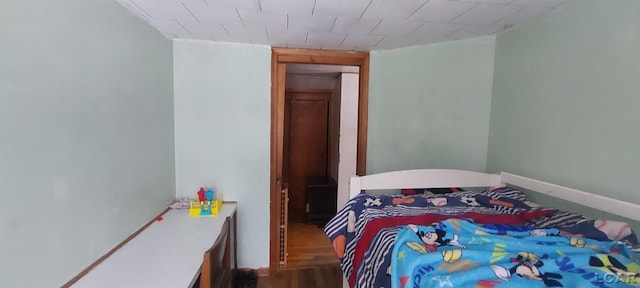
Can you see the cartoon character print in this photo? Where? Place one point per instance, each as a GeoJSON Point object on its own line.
{"type": "Point", "coordinates": [577, 242]}
{"type": "Point", "coordinates": [434, 239]}
{"type": "Point", "coordinates": [614, 230]}
{"type": "Point", "coordinates": [471, 201]}
{"type": "Point", "coordinates": [440, 201]}
{"type": "Point", "coordinates": [527, 265]}
{"type": "Point", "coordinates": [403, 201]}
{"type": "Point", "coordinates": [613, 265]}
{"type": "Point", "coordinates": [504, 229]}
{"type": "Point", "coordinates": [372, 202]}
{"type": "Point", "coordinates": [538, 232]}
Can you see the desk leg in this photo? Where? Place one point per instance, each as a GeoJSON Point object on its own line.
{"type": "Point", "coordinates": [234, 235]}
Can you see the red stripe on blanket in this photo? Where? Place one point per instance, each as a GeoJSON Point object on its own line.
{"type": "Point", "coordinates": [375, 225]}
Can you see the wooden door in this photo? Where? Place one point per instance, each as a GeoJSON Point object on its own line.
{"type": "Point", "coordinates": [305, 147]}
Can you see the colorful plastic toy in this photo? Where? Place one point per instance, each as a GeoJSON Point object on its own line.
{"type": "Point", "coordinates": [206, 205]}
{"type": "Point", "coordinates": [201, 194]}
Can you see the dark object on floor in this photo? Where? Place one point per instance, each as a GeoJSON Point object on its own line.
{"type": "Point", "coordinates": [244, 279]}
{"type": "Point", "coordinates": [320, 196]}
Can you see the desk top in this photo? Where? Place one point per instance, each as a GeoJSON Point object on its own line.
{"type": "Point", "coordinates": [168, 253]}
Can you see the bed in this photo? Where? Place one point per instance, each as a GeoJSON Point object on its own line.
{"type": "Point", "coordinates": [454, 228]}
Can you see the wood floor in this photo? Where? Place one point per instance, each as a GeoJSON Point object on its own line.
{"type": "Point", "coordinates": [311, 261]}
{"type": "Point", "coordinates": [308, 246]}
{"type": "Point", "coordinates": [321, 276]}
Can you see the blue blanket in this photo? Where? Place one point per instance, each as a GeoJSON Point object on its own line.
{"type": "Point", "coordinates": [459, 253]}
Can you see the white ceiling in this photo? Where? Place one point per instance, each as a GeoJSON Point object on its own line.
{"type": "Point", "coordinates": [360, 25]}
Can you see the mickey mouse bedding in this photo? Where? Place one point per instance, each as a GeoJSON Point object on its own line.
{"type": "Point", "coordinates": [478, 239]}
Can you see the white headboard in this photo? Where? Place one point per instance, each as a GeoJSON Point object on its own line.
{"type": "Point", "coordinates": [446, 178]}
{"type": "Point", "coordinates": [422, 178]}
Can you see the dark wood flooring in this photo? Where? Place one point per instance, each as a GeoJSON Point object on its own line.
{"type": "Point", "coordinates": [311, 261]}
{"type": "Point", "coordinates": [308, 246]}
{"type": "Point", "coordinates": [321, 276]}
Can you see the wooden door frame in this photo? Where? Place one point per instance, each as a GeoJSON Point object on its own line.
{"type": "Point", "coordinates": [279, 58]}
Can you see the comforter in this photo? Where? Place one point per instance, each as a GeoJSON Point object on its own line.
{"type": "Point", "coordinates": [364, 231]}
{"type": "Point", "coordinates": [459, 253]}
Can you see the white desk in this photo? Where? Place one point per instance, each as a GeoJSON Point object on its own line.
{"type": "Point", "coordinates": [168, 253]}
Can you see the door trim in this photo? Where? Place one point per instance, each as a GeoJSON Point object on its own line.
{"type": "Point", "coordinates": [279, 58]}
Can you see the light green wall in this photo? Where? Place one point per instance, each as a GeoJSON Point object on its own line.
{"type": "Point", "coordinates": [222, 124]}
{"type": "Point", "coordinates": [429, 106]}
{"type": "Point", "coordinates": [86, 133]}
{"type": "Point", "coordinates": [566, 99]}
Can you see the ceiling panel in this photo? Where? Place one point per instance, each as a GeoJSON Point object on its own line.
{"type": "Point", "coordinates": [442, 10]}
{"type": "Point", "coordinates": [539, 3]}
{"type": "Point", "coordinates": [164, 9]}
{"type": "Point", "coordinates": [392, 9]}
{"type": "Point", "coordinates": [361, 25]}
{"type": "Point", "coordinates": [211, 14]}
{"type": "Point", "coordinates": [300, 7]}
{"type": "Point", "coordinates": [133, 8]}
{"type": "Point", "coordinates": [280, 39]}
{"type": "Point", "coordinates": [170, 27]}
{"type": "Point", "coordinates": [212, 30]}
{"type": "Point", "coordinates": [392, 42]}
{"type": "Point", "coordinates": [253, 35]}
{"type": "Point", "coordinates": [303, 45]}
{"type": "Point", "coordinates": [326, 38]}
{"type": "Point", "coordinates": [326, 46]}
{"type": "Point", "coordinates": [472, 31]}
{"type": "Point", "coordinates": [270, 20]}
{"type": "Point", "coordinates": [437, 31]}
{"type": "Point", "coordinates": [489, 1]}
{"type": "Point", "coordinates": [394, 27]}
{"type": "Point", "coordinates": [524, 15]}
{"type": "Point", "coordinates": [188, 2]}
{"type": "Point", "coordinates": [253, 5]}
{"type": "Point", "coordinates": [353, 40]}
{"type": "Point", "coordinates": [345, 8]}
{"type": "Point", "coordinates": [485, 14]}
{"type": "Point", "coordinates": [314, 23]}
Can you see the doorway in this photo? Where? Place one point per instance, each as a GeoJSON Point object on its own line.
{"type": "Point", "coordinates": [320, 106]}
{"type": "Point", "coordinates": [280, 58]}
{"type": "Point", "coordinates": [306, 147]}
